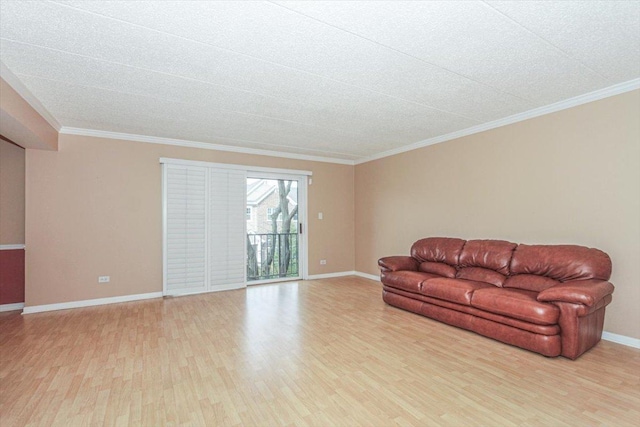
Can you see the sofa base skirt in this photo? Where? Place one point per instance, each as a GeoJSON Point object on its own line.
{"type": "Point", "coordinates": [547, 345]}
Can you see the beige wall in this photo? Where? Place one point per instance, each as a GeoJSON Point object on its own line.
{"type": "Point", "coordinates": [11, 194]}
{"type": "Point", "coordinates": [21, 123]}
{"type": "Point", "coordinates": [567, 177]}
{"type": "Point", "coordinates": [94, 208]}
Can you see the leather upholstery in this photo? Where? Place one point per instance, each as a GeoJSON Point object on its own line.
{"type": "Point", "coordinates": [438, 249]}
{"type": "Point", "coordinates": [561, 262]}
{"type": "Point", "coordinates": [454, 290]}
{"type": "Point", "coordinates": [587, 292]}
{"type": "Point", "coordinates": [491, 254]}
{"type": "Point", "coordinates": [516, 303]}
{"type": "Point", "coordinates": [408, 280]}
{"type": "Point", "coordinates": [481, 275]}
{"type": "Point", "coordinates": [547, 345]}
{"type": "Point", "coordinates": [396, 263]}
{"type": "Point", "coordinates": [439, 268]}
{"type": "Point", "coordinates": [550, 299]}
{"type": "Point", "coordinates": [580, 333]}
{"type": "Point", "coordinates": [521, 324]}
{"type": "Point", "coordinates": [530, 282]}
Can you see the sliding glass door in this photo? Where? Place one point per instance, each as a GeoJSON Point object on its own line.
{"type": "Point", "coordinates": [226, 226]}
{"type": "Point", "coordinates": [275, 206]}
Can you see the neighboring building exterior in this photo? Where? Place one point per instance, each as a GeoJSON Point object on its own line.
{"type": "Point", "coordinates": [262, 201]}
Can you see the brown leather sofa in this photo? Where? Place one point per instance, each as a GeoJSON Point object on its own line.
{"type": "Point", "coordinates": [549, 299]}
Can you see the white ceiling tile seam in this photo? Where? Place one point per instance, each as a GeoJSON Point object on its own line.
{"type": "Point", "coordinates": [184, 103]}
{"type": "Point", "coordinates": [290, 100]}
{"type": "Point", "coordinates": [275, 3]}
{"type": "Point", "coordinates": [558, 49]}
{"type": "Point", "coordinates": [273, 62]}
{"type": "Point", "coordinates": [466, 37]}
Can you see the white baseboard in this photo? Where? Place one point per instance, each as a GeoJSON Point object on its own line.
{"type": "Point", "coordinates": [367, 276]}
{"type": "Point", "coordinates": [89, 302]}
{"type": "Point", "coordinates": [11, 247]}
{"type": "Point", "coordinates": [342, 274]}
{"type": "Point", "coordinates": [11, 307]}
{"type": "Point", "coordinates": [621, 339]}
{"type": "Point", "coordinates": [230, 287]}
{"type": "Point", "coordinates": [330, 275]}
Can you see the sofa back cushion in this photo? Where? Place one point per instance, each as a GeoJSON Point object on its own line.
{"type": "Point", "coordinates": [438, 249]}
{"type": "Point", "coordinates": [491, 254]}
{"type": "Point", "coordinates": [439, 268]}
{"type": "Point", "coordinates": [561, 262]}
{"type": "Point", "coordinates": [486, 261]}
{"type": "Point", "coordinates": [479, 274]}
{"type": "Point", "coordinates": [530, 282]}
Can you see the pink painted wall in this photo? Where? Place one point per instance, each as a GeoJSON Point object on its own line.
{"type": "Point", "coordinates": [11, 276]}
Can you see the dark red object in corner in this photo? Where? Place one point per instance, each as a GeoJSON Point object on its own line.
{"type": "Point", "coordinates": [11, 276]}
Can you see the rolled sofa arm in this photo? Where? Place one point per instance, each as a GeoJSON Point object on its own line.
{"type": "Point", "coordinates": [587, 292]}
{"type": "Point", "coordinates": [397, 263]}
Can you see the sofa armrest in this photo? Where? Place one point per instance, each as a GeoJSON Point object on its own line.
{"type": "Point", "coordinates": [397, 263]}
{"type": "Point", "coordinates": [587, 292]}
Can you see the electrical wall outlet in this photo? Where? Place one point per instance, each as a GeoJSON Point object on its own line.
{"type": "Point", "coordinates": [323, 262]}
{"type": "Point", "coordinates": [104, 279]}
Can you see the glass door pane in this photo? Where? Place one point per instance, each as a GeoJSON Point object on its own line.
{"type": "Point", "coordinates": [273, 237]}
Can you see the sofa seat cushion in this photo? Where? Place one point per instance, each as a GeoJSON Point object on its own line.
{"type": "Point", "coordinates": [406, 280]}
{"type": "Point", "coordinates": [517, 303]}
{"type": "Point", "coordinates": [454, 290]}
{"type": "Point", "coordinates": [498, 318]}
{"type": "Point", "coordinates": [530, 282]}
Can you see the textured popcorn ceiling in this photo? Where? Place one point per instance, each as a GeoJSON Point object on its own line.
{"type": "Point", "coordinates": [336, 79]}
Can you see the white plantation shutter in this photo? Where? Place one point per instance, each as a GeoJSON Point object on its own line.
{"type": "Point", "coordinates": [185, 240]}
{"type": "Point", "coordinates": [204, 220]}
{"type": "Point", "coordinates": [227, 212]}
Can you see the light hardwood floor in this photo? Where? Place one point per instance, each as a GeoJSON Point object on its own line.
{"type": "Point", "coordinates": [325, 352]}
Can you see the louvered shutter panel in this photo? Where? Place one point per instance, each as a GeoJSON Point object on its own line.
{"type": "Point", "coordinates": [186, 250]}
{"type": "Point", "coordinates": [227, 240]}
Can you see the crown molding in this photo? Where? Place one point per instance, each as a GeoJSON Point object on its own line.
{"type": "Point", "coordinates": [185, 162]}
{"type": "Point", "coordinates": [536, 112]}
{"type": "Point", "coordinates": [197, 144]}
{"type": "Point", "coordinates": [15, 83]}
{"type": "Point", "coordinates": [617, 89]}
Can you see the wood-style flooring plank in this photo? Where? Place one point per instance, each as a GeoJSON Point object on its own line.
{"type": "Point", "coordinates": [309, 353]}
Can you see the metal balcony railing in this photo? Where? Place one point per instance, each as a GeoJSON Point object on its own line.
{"type": "Point", "coordinates": [272, 255]}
